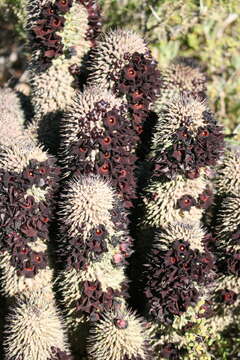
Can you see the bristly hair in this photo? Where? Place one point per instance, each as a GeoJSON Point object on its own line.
{"type": "Point", "coordinates": [11, 116]}
{"type": "Point", "coordinates": [228, 173]}
{"type": "Point", "coordinates": [34, 329]}
{"type": "Point", "coordinates": [180, 79]}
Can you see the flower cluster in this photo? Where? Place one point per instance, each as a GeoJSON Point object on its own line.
{"type": "Point", "coordinates": [173, 277]}
{"type": "Point", "coordinates": [81, 252]}
{"type": "Point", "coordinates": [94, 301]}
{"type": "Point", "coordinates": [103, 145]}
{"type": "Point", "coordinates": [25, 219]}
{"type": "Point", "coordinates": [139, 81]}
{"type": "Point", "coordinates": [188, 152]}
{"type": "Point", "coordinates": [44, 34]}
{"type": "Point", "coordinates": [203, 201]}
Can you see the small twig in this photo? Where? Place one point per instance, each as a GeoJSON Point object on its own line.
{"type": "Point", "coordinates": [229, 20]}
{"type": "Point", "coordinates": [154, 13]}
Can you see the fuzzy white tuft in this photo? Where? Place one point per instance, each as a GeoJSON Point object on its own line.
{"type": "Point", "coordinates": [86, 201]}
{"type": "Point", "coordinates": [108, 341]}
{"type": "Point", "coordinates": [11, 116]}
{"type": "Point", "coordinates": [34, 328]}
{"type": "Point", "coordinates": [228, 173]}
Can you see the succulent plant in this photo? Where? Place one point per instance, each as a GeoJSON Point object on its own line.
{"type": "Point", "coordinates": [28, 182]}
{"type": "Point", "coordinates": [97, 101]}
{"type": "Point", "coordinates": [180, 268]}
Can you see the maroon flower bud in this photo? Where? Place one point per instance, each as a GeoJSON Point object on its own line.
{"type": "Point", "coordinates": [118, 259]}
{"type": "Point", "coordinates": [106, 141]}
{"type": "Point", "coordinates": [130, 72]}
{"type": "Point", "coordinates": [203, 132]}
{"type": "Point", "coordinates": [121, 323]}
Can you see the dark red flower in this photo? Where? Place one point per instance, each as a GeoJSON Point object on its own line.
{"type": "Point", "coordinates": [130, 72]}
{"type": "Point", "coordinates": [205, 199]}
{"type": "Point", "coordinates": [63, 5]}
{"type": "Point", "coordinates": [120, 323]}
{"type": "Point", "coordinates": [227, 296]}
{"type": "Point", "coordinates": [186, 202]}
